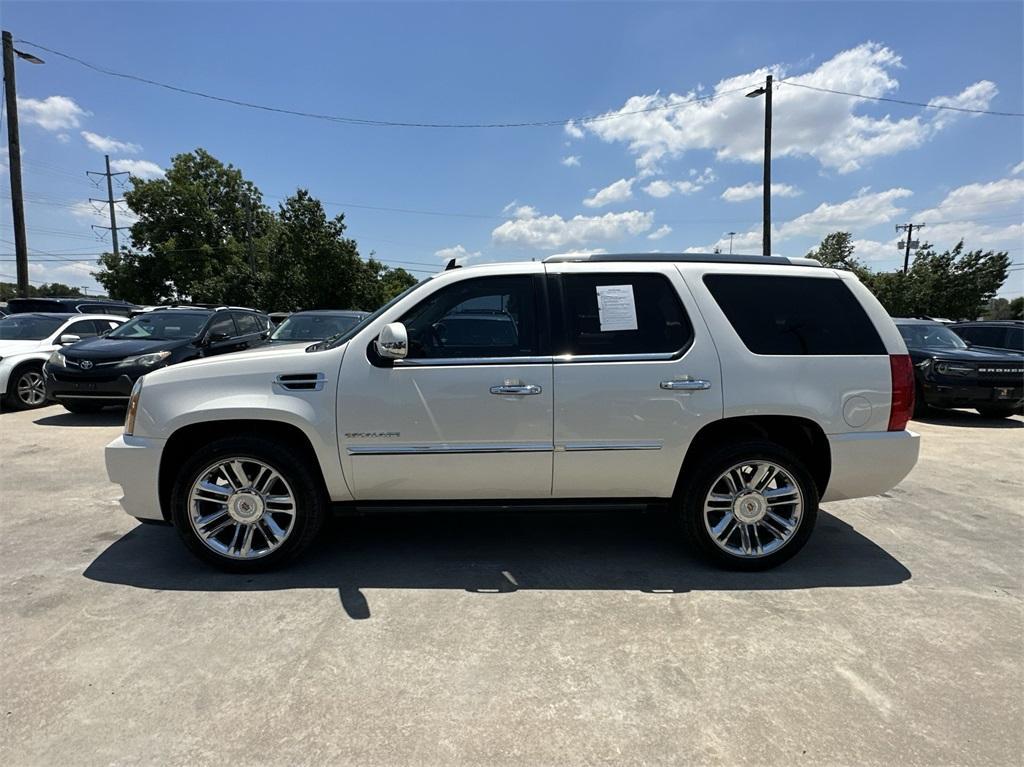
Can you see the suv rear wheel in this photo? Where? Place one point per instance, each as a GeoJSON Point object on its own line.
{"type": "Point", "coordinates": [244, 504]}
{"type": "Point", "coordinates": [749, 506]}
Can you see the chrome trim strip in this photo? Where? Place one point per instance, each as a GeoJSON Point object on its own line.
{"type": "Point", "coordinates": [449, 361]}
{"type": "Point", "coordinates": [478, 447]}
{"type": "Point", "coordinates": [655, 357]}
{"type": "Point", "coordinates": [91, 396]}
{"type": "Point", "coordinates": [572, 447]}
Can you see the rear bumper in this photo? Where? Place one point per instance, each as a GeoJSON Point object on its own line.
{"type": "Point", "coordinates": [870, 463]}
{"type": "Point", "coordinates": [134, 464]}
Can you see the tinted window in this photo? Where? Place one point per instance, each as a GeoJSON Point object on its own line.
{"type": "Point", "coordinates": [484, 317]}
{"type": "Point", "coordinates": [313, 327]}
{"type": "Point", "coordinates": [794, 315]}
{"type": "Point", "coordinates": [24, 327]}
{"type": "Point", "coordinates": [162, 325]}
{"type": "Point", "coordinates": [623, 314]}
{"type": "Point", "coordinates": [222, 323]}
{"type": "Point", "coordinates": [247, 323]}
{"type": "Point", "coordinates": [85, 328]}
{"type": "Point", "coordinates": [980, 335]}
{"type": "Point", "coordinates": [1015, 339]}
{"type": "Point", "coordinates": [926, 335]}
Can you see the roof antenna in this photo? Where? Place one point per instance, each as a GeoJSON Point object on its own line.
{"type": "Point", "coordinates": [452, 265]}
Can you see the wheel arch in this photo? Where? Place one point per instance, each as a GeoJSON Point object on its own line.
{"type": "Point", "coordinates": [183, 441]}
{"type": "Point", "coordinates": [801, 436]}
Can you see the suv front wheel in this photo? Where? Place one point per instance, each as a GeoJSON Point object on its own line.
{"type": "Point", "coordinates": [244, 504]}
{"type": "Point", "coordinates": [749, 506]}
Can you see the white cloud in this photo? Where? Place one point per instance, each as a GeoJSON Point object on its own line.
{"type": "Point", "coordinates": [661, 188]}
{"type": "Point", "coordinates": [752, 191]}
{"type": "Point", "coordinates": [54, 113]}
{"type": "Point", "coordinates": [617, 191]}
{"type": "Point", "coordinates": [141, 168]}
{"type": "Point", "coordinates": [976, 201]}
{"type": "Point", "coordinates": [108, 144]}
{"type": "Point", "coordinates": [530, 229]}
{"type": "Point", "coordinates": [63, 138]}
{"type": "Point", "coordinates": [662, 231]}
{"type": "Point", "coordinates": [1018, 168]}
{"type": "Point", "coordinates": [99, 213]}
{"type": "Point", "coordinates": [807, 123]}
{"type": "Point", "coordinates": [572, 161]}
{"type": "Point", "coordinates": [872, 250]}
{"type": "Point", "coordinates": [458, 252]}
{"type": "Point", "coordinates": [573, 130]}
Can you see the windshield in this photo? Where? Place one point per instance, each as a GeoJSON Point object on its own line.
{"type": "Point", "coordinates": [313, 327]}
{"type": "Point", "coordinates": [162, 326]}
{"type": "Point", "coordinates": [28, 328]}
{"type": "Point", "coordinates": [931, 337]}
{"type": "Point", "coordinates": [338, 340]}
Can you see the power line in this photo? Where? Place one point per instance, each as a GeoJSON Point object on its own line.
{"type": "Point", "coordinates": [902, 101]}
{"type": "Point", "coordinates": [380, 123]}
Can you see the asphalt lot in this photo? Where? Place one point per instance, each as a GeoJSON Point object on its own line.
{"type": "Point", "coordinates": [895, 637]}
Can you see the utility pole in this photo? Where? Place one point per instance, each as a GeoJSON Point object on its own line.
{"type": "Point", "coordinates": [731, 235]}
{"type": "Point", "coordinates": [110, 201]}
{"type": "Point", "coordinates": [14, 158]}
{"type": "Point", "coordinates": [910, 243]}
{"type": "Point", "coordinates": [766, 91]}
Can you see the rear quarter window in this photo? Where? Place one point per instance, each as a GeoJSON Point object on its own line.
{"type": "Point", "coordinates": [780, 315]}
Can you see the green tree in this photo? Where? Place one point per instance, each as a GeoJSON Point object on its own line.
{"type": "Point", "coordinates": [1004, 309]}
{"type": "Point", "coordinates": [955, 283]}
{"type": "Point", "coordinates": [9, 290]}
{"type": "Point", "coordinates": [197, 236]}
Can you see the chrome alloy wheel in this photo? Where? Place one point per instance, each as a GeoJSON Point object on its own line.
{"type": "Point", "coordinates": [241, 508]}
{"type": "Point", "coordinates": [753, 509]}
{"type": "Point", "coordinates": [31, 388]}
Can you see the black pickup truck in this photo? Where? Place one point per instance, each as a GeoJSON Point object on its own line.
{"type": "Point", "coordinates": [950, 373]}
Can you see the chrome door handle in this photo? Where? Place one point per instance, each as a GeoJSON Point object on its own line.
{"type": "Point", "coordinates": [516, 389]}
{"type": "Point", "coordinates": [686, 385]}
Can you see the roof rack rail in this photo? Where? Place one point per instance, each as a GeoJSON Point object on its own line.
{"type": "Point", "coordinates": [683, 257]}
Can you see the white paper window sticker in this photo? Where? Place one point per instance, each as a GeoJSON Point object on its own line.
{"type": "Point", "coordinates": [616, 308]}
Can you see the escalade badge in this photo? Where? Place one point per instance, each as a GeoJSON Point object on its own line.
{"type": "Point", "coordinates": [371, 434]}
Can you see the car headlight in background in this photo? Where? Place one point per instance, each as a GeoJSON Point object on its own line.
{"type": "Point", "coordinates": [57, 360]}
{"type": "Point", "coordinates": [954, 369]}
{"type": "Point", "coordinates": [145, 360]}
{"type": "Point", "coordinates": [133, 408]}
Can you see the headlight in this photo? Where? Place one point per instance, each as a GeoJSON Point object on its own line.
{"type": "Point", "coordinates": [57, 360]}
{"type": "Point", "coordinates": [146, 360]}
{"type": "Point", "coordinates": [954, 369]}
{"type": "Point", "coordinates": [133, 408]}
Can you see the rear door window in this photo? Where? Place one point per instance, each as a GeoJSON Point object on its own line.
{"type": "Point", "coordinates": [621, 313]}
{"type": "Point", "coordinates": [85, 328]}
{"type": "Point", "coordinates": [247, 323]}
{"type": "Point", "coordinates": [980, 335]}
{"type": "Point", "coordinates": [781, 315]}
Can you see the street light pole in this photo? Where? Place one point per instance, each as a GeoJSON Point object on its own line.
{"type": "Point", "coordinates": [731, 235]}
{"type": "Point", "coordinates": [14, 159]}
{"type": "Point", "coordinates": [766, 91]}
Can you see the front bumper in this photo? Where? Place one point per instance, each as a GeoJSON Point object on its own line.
{"type": "Point", "coordinates": [134, 464]}
{"type": "Point", "coordinates": [97, 386]}
{"type": "Point", "coordinates": [870, 463]}
{"type": "Point", "coordinates": [973, 394]}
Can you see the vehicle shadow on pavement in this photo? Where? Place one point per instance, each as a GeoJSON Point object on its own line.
{"type": "Point", "coordinates": [501, 553]}
{"type": "Point", "coordinates": [968, 418]}
{"type": "Point", "coordinates": [107, 417]}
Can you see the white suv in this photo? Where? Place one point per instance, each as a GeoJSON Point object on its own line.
{"type": "Point", "coordinates": [738, 392]}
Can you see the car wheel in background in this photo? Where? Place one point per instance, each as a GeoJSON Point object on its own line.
{"type": "Point", "coordinates": [26, 388]}
{"type": "Point", "coordinates": [749, 506]}
{"type": "Point", "coordinates": [245, 505]}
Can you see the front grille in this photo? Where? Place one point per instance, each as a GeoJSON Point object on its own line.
{"type": "Point", "coordinates": [86, 376]}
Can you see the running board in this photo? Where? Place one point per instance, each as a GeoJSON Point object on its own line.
{"type": "Point", "coordinates": [513, 505]}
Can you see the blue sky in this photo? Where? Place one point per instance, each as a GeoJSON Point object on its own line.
{"type": "Point", "coordinates": [675, 177]}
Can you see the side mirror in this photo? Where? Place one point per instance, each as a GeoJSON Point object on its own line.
{"type": "Point", "coordinates": [216, 338]}
{"type": "Point", "coordinates": [68, 338]}
{"type": "Point", "coordinates": [393, 341]}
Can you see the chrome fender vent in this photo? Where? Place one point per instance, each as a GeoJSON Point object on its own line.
{"type": "Point", "coordinates": [300, 381]}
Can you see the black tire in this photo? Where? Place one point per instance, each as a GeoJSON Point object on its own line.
{"type": "Point", "coordinates": [82, 408]}
{"type": "Point", "coordinates": [997, 412]}
{"type": "Point", "coordinates": [700, 481]}
{"type": "Point", "coordinates": [921, 408]}
{"type": "Point", "coordinates": [311, 505]}
{"type": "Point", "coordinates": [14, 400]}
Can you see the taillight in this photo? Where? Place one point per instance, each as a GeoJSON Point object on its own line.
{"type": "Point", "coordinates": [902, 370]}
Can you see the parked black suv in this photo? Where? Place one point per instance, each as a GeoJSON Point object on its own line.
{"type": "Point", "coordinates": [101, 371]}
{"type": "Point", "coordinates": [993, 334]}
{"type": "Point", "coordinates": [950, 373]}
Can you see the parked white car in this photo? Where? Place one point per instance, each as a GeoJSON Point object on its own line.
{"type": "Point", "coordinates": [737, 391]}
{"type": "Point", "coordinates": [28, 339]}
